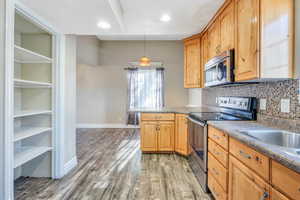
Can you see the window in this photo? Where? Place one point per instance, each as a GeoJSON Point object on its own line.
{"type": "Point", "coordinates": [145, 90]}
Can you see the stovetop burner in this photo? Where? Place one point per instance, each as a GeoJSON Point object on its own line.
{"type": "Point", "coordinates": [214, 116]}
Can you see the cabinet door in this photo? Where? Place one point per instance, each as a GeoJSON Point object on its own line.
{"type": "Point", "coordinates": [192, 64]}
{"type": "Point", "coordinates": [247, 39]}
{"type": "Point", "coordinates": [275, 195]}
{"type": "Point", "coordinates": [204, 55]}
{"type": "Point", "coordinates": [149, 134]}
{"type": "Point", "coordinates": [227, 25]}
{"type": "Point", "coordinates": [166, 136]}
{"type": "Point", "coordinates": [277, 38]}
{"type": "Point", "coordinates": [244, 184]}
{"type": "Point", "coordinates": [181, 135]}
{"type": "Point", "coordinates": [214, 39]}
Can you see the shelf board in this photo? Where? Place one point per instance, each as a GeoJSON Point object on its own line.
{"type": "Point", "coordinates": [26, 56]}
{"type": "Point", "coordinates": [31, 84]}
{"type": "Point", "coordinates": [26, 132]}
{"type": "Point", "coordinates": [26, 154]}
{"type": "Point", "coordinates": [25, 113]}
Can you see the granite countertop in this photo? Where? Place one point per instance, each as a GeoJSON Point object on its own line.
{"type": "Point", "coordinates": [277, 153]}
{"type": "Point", "coordinates": [179, 110]}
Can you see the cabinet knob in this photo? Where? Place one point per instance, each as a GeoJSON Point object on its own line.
{"type": "Point", "coordinates": [264, 196]}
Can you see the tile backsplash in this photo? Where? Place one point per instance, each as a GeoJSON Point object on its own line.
{"type": "Point", "coordinates": [272, 92]}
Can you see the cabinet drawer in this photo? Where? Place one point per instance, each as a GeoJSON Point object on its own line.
{"type": "Point", "coordinates": [218, 136]}
{"type": "Point", "coordinates": [275, 195]}
{"type": "Point", "coordinates": [218, 171]}
{"type": "Point", "coordinates": [216, 189]}
{"type": "Point", "coordinates": [286, 180]}
{"type": "Point", "coordinates": [251, 158]}
{"type": "Point", "coordinates": [218, 152]}
{"type": "Point", "coordinates": [158, 116]}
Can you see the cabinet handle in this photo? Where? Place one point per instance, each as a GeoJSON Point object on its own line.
{"type": "Point", "coordinates": [215, 171]}
{"type": "Point", "coordinates": [216, 136]}
{"type": "Point", "coordinates": [245, 155]}
{"type": "Point", "coordinates": [264, 196]}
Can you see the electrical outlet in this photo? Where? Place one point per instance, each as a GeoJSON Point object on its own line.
{"type": "Point", "coordinates": [217, 100]}
{"type": "Point", "coordinates": [263, 104]}
{"type": "Point", "coordinates": [285, 105]}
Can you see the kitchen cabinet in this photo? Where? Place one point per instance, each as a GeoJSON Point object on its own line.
{"type": "Point", "coordinates": [149, 136]}
{"type": "Point", "coordinates": [286, 180]}
{"type": "Point", "coordinates": [157, 132]}
{"type": "Point", "coordinates": [192, 64]}
{"type": "Point", "coordinates": [214, 44]}
{"type": "Point", "coordinates": [181, 135]}
{"type": "Point", "coordinates": [275, 195]}
{"type": "Point", "coordinates": [277, 38]}
{"type": "Point", "coordinates": [244, 184]}
{"type": "Point", "coordinates": [247, 40]}
{"type": "Point", "coordinates": [165, 132]}
{"type": "Point", "coordinates": [243, 173]}
{"type": "Point", "coordinates": [227, 23]}
{"type": "Point", "coordinates": [204, 55]}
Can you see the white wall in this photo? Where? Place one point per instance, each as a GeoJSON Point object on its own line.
{"type": "Point", "coordinates": [70, 99]}
{"type": "Point", "coordinates": [195, 97]}
{"type": "Point", "coordinates": [2, 33]}
{"type": "Point", "coordinates": [101, 78]}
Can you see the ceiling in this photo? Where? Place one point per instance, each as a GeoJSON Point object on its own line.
{"type": "Point", "coordinates": [129, 19]}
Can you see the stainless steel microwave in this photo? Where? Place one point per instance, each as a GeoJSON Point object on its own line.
{"type": "Point", "coordinates": [220, 69]}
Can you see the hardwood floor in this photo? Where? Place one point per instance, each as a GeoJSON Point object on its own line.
{"type": "Point", "coordinates": [111, 167]}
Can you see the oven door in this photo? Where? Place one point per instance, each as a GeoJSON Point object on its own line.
{"type": "Point", "coordinates": [198, 141]}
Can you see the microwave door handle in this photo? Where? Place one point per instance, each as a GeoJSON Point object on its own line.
{"type": "Point", "coordinates": [196, 122]}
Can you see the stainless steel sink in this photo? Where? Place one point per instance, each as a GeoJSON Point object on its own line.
{"type": "Point", "coordinates": [280, 138]}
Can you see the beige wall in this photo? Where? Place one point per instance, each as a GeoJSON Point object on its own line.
{"type": "Point", "coordinates": [102, 83]}
{"type": "Point", "coordinates": [2, 33]}
{"type": "Point", "coordinates": [70, 99]}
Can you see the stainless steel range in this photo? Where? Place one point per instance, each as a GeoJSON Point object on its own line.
{"type": "Point", "coordinates": [231, 109]}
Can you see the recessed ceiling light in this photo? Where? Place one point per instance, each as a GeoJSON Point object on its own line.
{"type": "Point", "coordinates": [104, 25]}
{"type": "Point", "coordinates": [165, 18]}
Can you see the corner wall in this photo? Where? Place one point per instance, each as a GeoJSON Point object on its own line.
{"type": "Point", "coordinates": [102, 81]}
{"type": "Point", "coordinates": [2, 57]}
{"type": "Point", "coordinates": [70, 159]}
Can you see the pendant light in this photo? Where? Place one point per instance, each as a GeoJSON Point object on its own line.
{"type": "Point", "coordinates": [145, 61]}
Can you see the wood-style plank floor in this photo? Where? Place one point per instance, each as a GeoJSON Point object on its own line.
{"type": "Point", "coordinates": [111, 167]}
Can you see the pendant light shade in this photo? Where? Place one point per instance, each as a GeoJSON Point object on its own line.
{"type": "Point", "coordinates": [145, 61]}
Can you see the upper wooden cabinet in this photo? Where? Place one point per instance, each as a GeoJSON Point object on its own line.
{"type": "Point", "coordinates": [214, 44]}
{"type": "Point", "coordinates": [277, 33]}
{"type": "Point", "coordinates": [204, 55]}
{"type": "Point", "coordinates": [227, 23]}
{"type": "Point", "coordinates": [247, 40]}
{"type": "Point", "coordinates": [192, 64]}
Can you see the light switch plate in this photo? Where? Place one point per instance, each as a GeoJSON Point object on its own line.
{"type": "Point", "coordinates": [263, 104]}
{"type": "Point", "coordinates": [285, 105]}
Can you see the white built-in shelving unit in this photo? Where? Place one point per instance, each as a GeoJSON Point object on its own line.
{"type": "Point", "coordinates": [33, 99]}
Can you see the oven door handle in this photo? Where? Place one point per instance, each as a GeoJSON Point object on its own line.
{"type": "Point", "coordinates": [196, 122]}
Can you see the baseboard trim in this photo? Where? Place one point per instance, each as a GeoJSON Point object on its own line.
{"type": "Point", "coordinates": [71, 164]}
{"type": "Point", "coordinates": [105, 126]}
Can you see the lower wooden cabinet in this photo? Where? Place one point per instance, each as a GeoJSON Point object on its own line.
{"type": "Point", "coordinates": [149, 136]}
{"type": "Point", "coordinates": [181, 135]}
{"type": "Point", "coordinates": [157, 132]}
{"type": "Point", "coordinates": [275, 195]}
{"type": "Point", "coordinates": [244, 184]}
{"type": "Point", "coordinates": [165, 134]}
